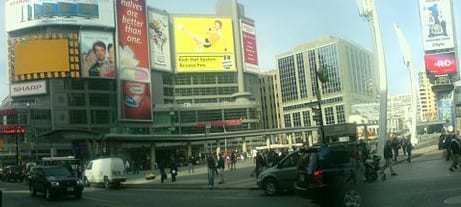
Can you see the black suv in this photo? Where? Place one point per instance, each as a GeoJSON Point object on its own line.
{"type": "Point", "coordinates": [330, 175]}
{"type": "Point", "coordinates": [53, 181]}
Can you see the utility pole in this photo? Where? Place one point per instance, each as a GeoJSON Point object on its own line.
{"type": "Point", "coordinates": [318, 111]}
{"type": "Point", "coordinates": [408, 61]}
{"type": "Point", "coordinates": [367, 10]}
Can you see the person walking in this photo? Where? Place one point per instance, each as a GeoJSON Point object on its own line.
{"type": "Point", "coordinates": [260, 164]}
{"type": "Point", "coordinates": [190, 166]}
{"type": "Point", "coordinates": [455, 149]}
{"type": "Point", "coordinates": [221, 168]}
{"type": "Point", "coordinates": [395, 147]}
{"type": "Point", "coordinates": [211, 162]}
{"type": "Point", "coordinates": [388, 159]}
{"type": "Point", "coordinates": [404, 142]}
{"type": "Point", "coordinates": [409, 148]}
{"type": "Point", "coordinates": [173, 170]}
{"type": "Point", "coordinates": [233, 160]}
{"type": "Point", "coordinates": [161, 167]}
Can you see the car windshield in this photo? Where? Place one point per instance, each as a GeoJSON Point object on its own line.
{"type": "Point", "coordinates": [58, 172]}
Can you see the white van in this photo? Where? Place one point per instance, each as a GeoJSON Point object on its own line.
{"type": "Point", "coordinates": [107, 171]}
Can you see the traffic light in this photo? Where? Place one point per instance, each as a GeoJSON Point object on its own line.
{"type": "Point", "coordinates": [316, 114]}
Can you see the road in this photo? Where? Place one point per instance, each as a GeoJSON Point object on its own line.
{"type": "Point", "coordinates": [426, 182]}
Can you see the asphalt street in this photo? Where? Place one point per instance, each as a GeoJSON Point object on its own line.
{"type": "Point", "coordinates": [426, 182]}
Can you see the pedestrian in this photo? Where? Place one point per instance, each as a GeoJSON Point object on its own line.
{"type": "Point", "coordinates": [395, 146]}
{"type": "Point", "coordinates": [127, 167]}
{"type": "Point", "coordinates": [221, 168]}
{"type": "Point", "coordinates": [233, 160]}
{"type": "Point", "coordinates": [404, 143]}
{"type": "Point", "coordinates": [190, 166]}
{"type": "Point", "coordinates": [161, 167]}
{"type": "Point", "coordinates": [388, 158]}
{"type": "Point", "coordinates": [211, 162]}
{"type": "Point", "coordinates": [173, 170]}
{"type": "Point", "coordinates": [260, 164]}
{"type": "Point", "coordinates": [455, 149]}
{"type": "Point", "coordinates": [409, 148]}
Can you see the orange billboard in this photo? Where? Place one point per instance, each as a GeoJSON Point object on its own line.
{"type": "Point", "coordinates": [39, 56]}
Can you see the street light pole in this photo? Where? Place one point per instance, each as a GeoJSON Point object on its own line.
{"type": "Point", "coordinates": [367, 9]}
{"type": "Point", "coordinates": [319, 104]}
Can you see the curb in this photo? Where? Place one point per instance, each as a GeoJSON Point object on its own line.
{"type": "Point", "coordinates": [185, 187]}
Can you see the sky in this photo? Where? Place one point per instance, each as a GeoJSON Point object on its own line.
{"type": "Point", "coordinates": [282, 25]}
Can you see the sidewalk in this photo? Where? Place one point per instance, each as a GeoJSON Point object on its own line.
{"type": "Point", "coordinates": [238, 179]}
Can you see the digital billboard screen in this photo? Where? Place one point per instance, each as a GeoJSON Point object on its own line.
{"type": "Point", "coordinates": [437, 24]}
{"type": "Point", "coordinates": [97, 54]}
{"type": "Point", "coordinates": [441, 63]}
{"type": "Point", "coordinates": [204, 44]}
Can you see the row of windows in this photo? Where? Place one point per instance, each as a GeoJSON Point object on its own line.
{"type": "Point", "coordinates": [203, 79]}
{"type": "Point", "coordinates": [93, 84]}
{"type": "Point", "coordinates": [313, 104]}
{"type": "Point", "coordinates": [96, 117]}
{"type": "Point", "coordinates": [95, 99]}
{"type": "Point", "coordinates": [294, 120]}
{"type": "Point", "coordinates": [328, 62]}
{"type": "Point", "coordinates": [288, 78]}
{"type": "Point", "coordinates": [301, 75]}
{"type": "Point", "coordinates": [206, 91]}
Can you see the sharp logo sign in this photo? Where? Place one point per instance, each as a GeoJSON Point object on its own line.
{"type": "Point", "coordinates": [30, 88]}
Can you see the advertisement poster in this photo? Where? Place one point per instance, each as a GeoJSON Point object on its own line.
{"type": "Point", "coordinates": [32, 13]}
{"type": "Point", "coordinates": [97, 54]}
{"type": "Point", "coordinates": [250, 52]}
{"type": "Point", "coordinates": [437, 24]}
{"type": "Point", "coordinates": [133, 61]}
{"type": "Point", "coordinates": [159, 31]}
{"type": "Point", "coordinates": [204, 44]}
{"type": "Point", "coordinates": [445, 106]}
{"type": "Point", "coordinates": [441, 64]}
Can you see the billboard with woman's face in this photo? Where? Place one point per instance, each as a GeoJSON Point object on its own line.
{"type": "Point", "coordinates": [97, 54]}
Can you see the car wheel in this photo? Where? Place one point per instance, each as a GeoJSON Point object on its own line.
{"type": "Point", "coordinates": [350, 198]}
{"type": "Point", "coordinates": [106, 183]}
{"type": "Point", "coordinates": [78, 195]}
{"type": "Point", "coordinates": [270, 187]}
{"type": "Point", "coordinates": [48, 195]}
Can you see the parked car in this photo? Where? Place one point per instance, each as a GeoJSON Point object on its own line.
{"type": "Point", "coordinates": [54, 181]}
{"type": "Point", "coordinates": [107, 171]}
{"type": "Point", "coordinates": [281, 177]}
{"type": "Point", "coordinates": [13, 173]}
{"type": "Point", "coordinates": [329, 175]}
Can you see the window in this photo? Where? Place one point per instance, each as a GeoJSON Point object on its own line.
{"type": "Point", "coordinates": [329, 115]}
{"type": "Point", "coordinates": [76, 99]}
{"type": "Point", "coordinates": [100, 117]}
{"type": "Point", "coordinates": [297, 119]}
{"type": "Point", "coordinates": [301, 75]}
{"type": "Point", "coordinates": [340, 115]}
{"type": "Point", "coordinates": [290, 161]}
{"type": "Point", "coordinates": [100, 99]}
{"type": "Point", "coordinates": [288, 81]}
{"type": "Point", "coordinates": [287, 118]}
{"type": "Point", "coordinates": [307, 118]}
{"type": "Point", "coordinates": [77, 117]}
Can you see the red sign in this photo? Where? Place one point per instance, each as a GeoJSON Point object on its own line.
{"type": "Point", "coordinates": [12, 129]}
{"type": "Point", "coordinates": [8, 112]}
{"type": "Point", "coordinates": [249, 44]}
{"type": "Point", "coordinates": [133, 61]}
{"type": "Point", "coordinates": [441, 64]}
{"type": "Point", "coordinates": [220, 123]}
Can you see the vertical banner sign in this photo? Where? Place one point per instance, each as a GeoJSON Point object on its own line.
{"type": "Point", "coordinates": [159, 31]}
{"type": "Point", "coordinates": [133, 61]}
{"type": "Point", "coordinates": [437, 24]}
{"type": "Point", "coordinates": [250, 52]}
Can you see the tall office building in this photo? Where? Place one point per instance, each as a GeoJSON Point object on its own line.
{"type": "Point", "coordinates": [351, 80]}
{"type": "Point", "coordinates": [427, 99]}
{"type": "Point", "coordinates": [271, 100]}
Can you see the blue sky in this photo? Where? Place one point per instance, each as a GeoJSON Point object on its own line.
{"type": "Point", "coordinates": [281, 25]}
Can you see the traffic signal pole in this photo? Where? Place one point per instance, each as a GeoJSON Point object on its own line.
{"type": "Point", "coordinates": [319, 104]}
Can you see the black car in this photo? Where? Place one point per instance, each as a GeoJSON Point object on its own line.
{"type": "Point", "coordinates": [330, 175]}
{"type": "Point", "coordinates": [281, 177]}
{"type": "Point", "coordinates": [12, 173]}
{"type": "Point", "coordinates": [53, 181]}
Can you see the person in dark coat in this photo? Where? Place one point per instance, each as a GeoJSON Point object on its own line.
{"type": "Point", "coordinates": [173, 170]}
{"type": "Point", "coordinates": [220, 169]}
{"type": "Point", "coordinates": [211, 162]}
{"type": "Point", "coordinates": [388, 158]}
{"type": "Point", "coordinates": [408, 148]}
{"type": "Point", "coordinates": [161, 167]}
{"type": "Point", "coordinates": [260, 164]}
{"type": "Point", "coordinates": [395, 147]}
{"type": "Point", "coordinates": [455, 149]}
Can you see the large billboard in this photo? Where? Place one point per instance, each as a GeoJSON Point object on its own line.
{"type": "Point", "coordinates": [250, 51]}
{"type": "Point", "coordinates": [97, 54]}
{"type": "Point", "coordinates": [437, 24]}
{"type": "Point", "coordinates": [28, 88]}
{"type": "Point", "coordinates": [441, 64]}
{"type": "Point", "coordinates": [204, 44]}
{"type": "Point", "coordinates": [133, 61]}
{"type": "Point", "coordinates": [159, 31]}
{"type": "Point", "coordinates": [31, 13]}
{"type": "Point", "coordinates": [445, 106]}
{"type": "Point", "coordinates": [41, 56]}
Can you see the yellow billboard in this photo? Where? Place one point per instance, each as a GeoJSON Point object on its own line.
{"type": "Point", "coordinates": [39, 56]}
{"type": "Point", "coordinates": [204, 44]}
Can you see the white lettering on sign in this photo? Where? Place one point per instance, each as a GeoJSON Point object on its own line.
{"type": "Point", "coordinates": [443, 63]}
{"type": "Point", "coordinates": [29, 88]}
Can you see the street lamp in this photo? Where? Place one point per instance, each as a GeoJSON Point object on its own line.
{"type": "Point", "coordinates": [320, 77]}
{"type": "Point", "coordinates": [367, 10]}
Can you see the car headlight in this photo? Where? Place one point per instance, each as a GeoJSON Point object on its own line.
{"type": "Point", "coordinates": [54, 183]}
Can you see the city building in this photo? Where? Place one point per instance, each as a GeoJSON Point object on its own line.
{"type": "Point", "coordinates": [427, 99]}
{"type": "Point", "coordinates": [69, 98]}
{"type": "Point", "coordinates": [271, 114]}
{"type": "Point", "coordinates": [398, 114]}
{"type": "Point", "coordinates": [351, 80]}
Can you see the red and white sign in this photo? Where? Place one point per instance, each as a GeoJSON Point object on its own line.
{"type": "Point", "coordinates": [12, 129]}
{"type": "Point", "coordinates": [220, 123]}
{"type": "Point", "coordinates": [133, 61]}
{"type": "Point", "coordinates": [28, 89]}
{"type": "Point", "coordinates": [441, 64]}
{"type": "Point", "coordinates": [250, 50]}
